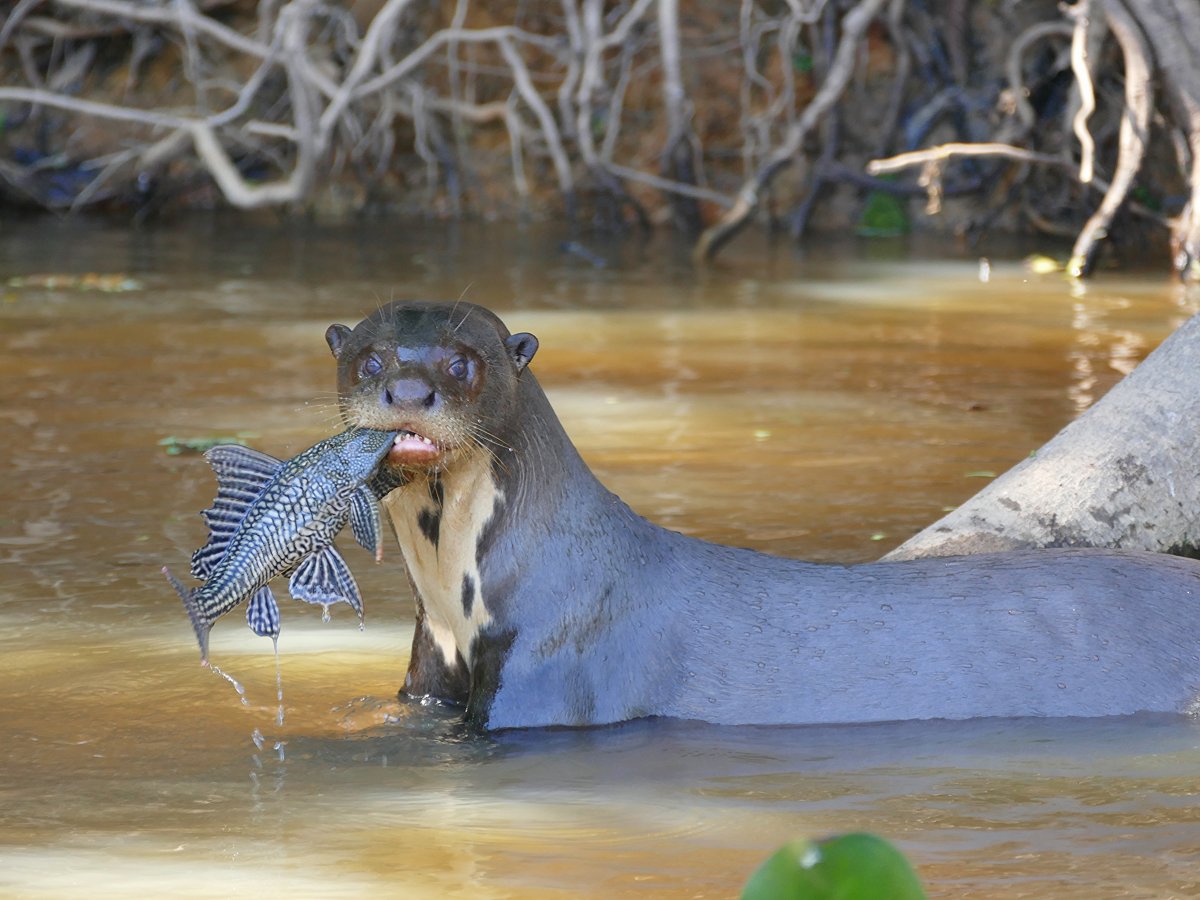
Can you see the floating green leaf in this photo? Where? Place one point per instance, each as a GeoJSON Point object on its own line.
{"type": "Point", "coordinates": [177, 445]}
{"type": "Point", "coordinates": [846, 867]}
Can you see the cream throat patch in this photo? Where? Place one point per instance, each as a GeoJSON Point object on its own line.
{"type": "Point", "coordinates": [439, 519]}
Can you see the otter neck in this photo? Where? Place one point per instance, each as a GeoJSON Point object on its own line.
{"type": "Point", "coordinates": [439, 519]}
{"type": "Point", "coordinates": [473, 533]}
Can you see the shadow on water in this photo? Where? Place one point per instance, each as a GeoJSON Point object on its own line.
{"type": "Point", "coordinates": [823, 404]}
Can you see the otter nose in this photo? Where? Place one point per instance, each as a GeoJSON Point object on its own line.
{"type": "Point", "coordinates": [410, 393]}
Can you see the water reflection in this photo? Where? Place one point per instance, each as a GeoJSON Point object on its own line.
{"type": "Point", "coordinates": [824, 407]}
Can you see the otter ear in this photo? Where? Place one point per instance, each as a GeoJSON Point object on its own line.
{"type": "Point", "coordinates": [521, 348]}
{"type": "Point", "coordinates": [335, 336]}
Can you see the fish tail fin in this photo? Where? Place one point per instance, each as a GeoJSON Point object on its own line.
{"type": "Point", "coordinates": [200, 622]}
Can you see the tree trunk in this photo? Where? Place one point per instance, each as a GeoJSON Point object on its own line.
{"type": "Point", "coordinates": [1125, 474]}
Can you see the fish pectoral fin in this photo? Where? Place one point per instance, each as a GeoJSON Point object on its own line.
{"type": "Point", "coordinates": [365, 522]}
{"type": "Point", "coordinates": [324, 578]}
{"type": "Point", "coordinates": [385, 480]}
{"type": "Point", "coordinates": [262, 614]}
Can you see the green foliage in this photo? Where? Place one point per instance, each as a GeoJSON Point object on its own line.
{"type": "Point", "coordinates": [1148, 199]}
{"type": "Point", "coordinates": [845, 867]}
{"type": "Point", "coordinates": [883, 216]}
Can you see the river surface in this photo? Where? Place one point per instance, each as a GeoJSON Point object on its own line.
{"type": "Point", "coordinates": [824, 405]}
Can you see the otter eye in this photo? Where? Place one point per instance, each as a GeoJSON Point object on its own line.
{"type": "Point", "coordinates": [372, 365]}
{"type": "Point", "coordinates": [458, 368]}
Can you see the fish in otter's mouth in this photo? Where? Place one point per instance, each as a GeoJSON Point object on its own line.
{"type": "Point", "coordinates": [273, 518]}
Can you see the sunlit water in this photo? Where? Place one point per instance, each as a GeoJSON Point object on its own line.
{"type": "Point", "coordinates": [823, 405]}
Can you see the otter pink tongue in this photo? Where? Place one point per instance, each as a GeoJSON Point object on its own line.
{"type": "Point", "coordinates": [409, 447]}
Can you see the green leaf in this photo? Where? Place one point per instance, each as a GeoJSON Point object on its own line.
{"type": "Point", "coordinates": [1146, 198]}
{"type": "Point", "coordinates": [846, 867]}
{"type": "Point", "coordinates": [883, 216]}
{"type": "Point", "coordinates": [177, 445]}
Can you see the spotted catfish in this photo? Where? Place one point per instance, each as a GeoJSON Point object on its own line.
{"type": "Point", "coordinates": [274, 518]}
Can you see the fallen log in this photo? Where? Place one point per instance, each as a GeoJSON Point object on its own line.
{"type": "Point", "coordinates": [1125, 474]}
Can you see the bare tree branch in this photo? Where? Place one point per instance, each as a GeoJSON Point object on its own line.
{"type": "Point", "coordinates": [853, 26]}
{"type": "Point", "coordinates": [1081, 65]}
{"type": "Point", "coordinates": [1134, 135]}
{"type": "Point", "coordinates": [946, 151]}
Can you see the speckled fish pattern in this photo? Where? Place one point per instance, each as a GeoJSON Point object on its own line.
{"type": "Point", "coordinates": [273, 518]}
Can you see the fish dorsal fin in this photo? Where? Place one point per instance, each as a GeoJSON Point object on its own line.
{"type": "Point", "coordinates": [262, 613]}
{"type": "Point", "coordinates": [324, 578]}
{"type": "Point", "coordinates": [365, 521]}
{"type": "Point", "coordinates": [242, 474]}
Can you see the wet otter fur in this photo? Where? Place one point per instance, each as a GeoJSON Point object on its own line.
{"type": "Point", "coordinates": [542, 599]}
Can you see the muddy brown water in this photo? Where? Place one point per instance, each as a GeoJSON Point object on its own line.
{"type": "Point", "coordinates": [822, 405]}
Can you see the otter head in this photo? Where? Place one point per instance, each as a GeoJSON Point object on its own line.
{"type": "Point", "coordinates": [445, 375]}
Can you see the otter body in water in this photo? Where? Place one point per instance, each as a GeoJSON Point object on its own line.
{"type": "Point", "coordinates": [542, 599]}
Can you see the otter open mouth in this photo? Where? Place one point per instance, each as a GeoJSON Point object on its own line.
{"type": "Point", "coordinates": [412, 449]}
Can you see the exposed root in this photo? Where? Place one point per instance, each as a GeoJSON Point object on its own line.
{"type": "Point", "coordinates": [648, 110]}
{"type": "Point", "coordinates": [854, 25]}
{"type": "Point", "coordinates": [1081, 56]}
{"type": "Point", "coordinates": [1134, 136]}
{"type": "Point", "coordinates": [1173, 30]}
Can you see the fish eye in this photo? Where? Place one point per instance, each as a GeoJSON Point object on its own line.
{"type": "Point", "coordinates": [371, 365]}
{"type": "Point", "coordinates": [457, 368]}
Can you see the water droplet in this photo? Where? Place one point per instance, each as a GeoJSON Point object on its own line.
{"type": "Point", "coordinates": [278, 681]}
{"type": "Point", "coordinates": [257, 737]}
{"type": "Point", "coordinates": [237, 686]}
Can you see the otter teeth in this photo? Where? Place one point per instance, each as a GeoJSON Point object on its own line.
{"type": "Point", "coordinates": [405, 435]}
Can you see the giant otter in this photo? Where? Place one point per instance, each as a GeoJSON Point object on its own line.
{"type": "Point", "coordinates": [542, 599]}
